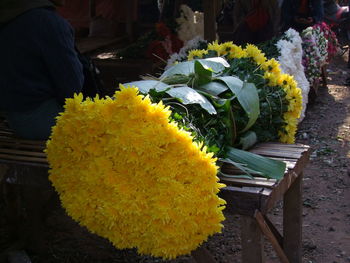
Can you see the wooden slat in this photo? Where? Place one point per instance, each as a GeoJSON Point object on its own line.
{"type": "Point", "coordinates": [11, 145]}
{"type": "Point", "coordinates": [241, 200]}
{"type": "Point", "coordinates": [277, 153]}
{"type": "Point", "coordinates": [247, 182]}
{"type": "Point", "coordinates": [281, 145]}
{"type": "Point", "coordinates": [23, 158]}
{"type": "Point", "coordinates": [24, 163]}
{"type": "Point", "coordinates": [268, 233]}
{"type": "Point", "coordinates": [21, 141]}
{"type": "Point", "coordinates": [22, 153]}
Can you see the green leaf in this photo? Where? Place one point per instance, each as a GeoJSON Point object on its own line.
{"type": "Point", "coordinates": [216, 64]}
{"type": "Point", "coordinates": [202, 74]}
{"type": "Point", "coordinates": [188, 95]}
{"type": "Point", "coordinates": [248, 139]}
{"type": "Point", "coordinates": [247, 95]}
{"type": "Point", "coordinates": [213, 88]}
{"type": "Point", "coordinates": [145, 86]}
{"type": "Point", "coordinates": [247, 171]}
{"type": "Point", "coordinates": [266, 167]}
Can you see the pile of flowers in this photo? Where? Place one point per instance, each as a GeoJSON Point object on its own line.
{"type": "Point", "coordinates": [196, 42]}
{"type": "Point", "coordinates": [332, 41]}
{"type": "Point", "coordinates": [132, 176]}
{"type": "Point", "coordinates": [320, 44]}
{"type": "Point", "coordinates": [280, 98]}
{"type": "Point", "coordinates": [290, 59]}
{"type": "Point", "coordinates": [312, 59]}
{"type": "Point", "coordinates": [158, 44]}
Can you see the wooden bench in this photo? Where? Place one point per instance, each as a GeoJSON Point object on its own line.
{"type": "Point", "coordinates": [251, 199]}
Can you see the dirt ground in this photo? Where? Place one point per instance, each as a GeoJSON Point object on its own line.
{"type": "Point", "coordinates": [326, 196]}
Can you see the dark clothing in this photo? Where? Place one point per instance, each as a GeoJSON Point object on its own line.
{"type": "Point", "coordinates": [10, 9]}
{"type": "Point", "coordinates": [292, 9]}
{"type": "Point", "coordinates": [38, 61]}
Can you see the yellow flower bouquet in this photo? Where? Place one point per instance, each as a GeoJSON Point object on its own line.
{"type": "Point", "coordinates": [127, 173]}
{"type": "Point", "coordinates": [280, 98]}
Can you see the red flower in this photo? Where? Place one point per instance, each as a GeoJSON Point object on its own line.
{"type": "Point", "coordinates": [156, 51]}
{"type": "Point", "coordinates": [162, 30]}
{"type": "Point", "coordinates": [176, 43]}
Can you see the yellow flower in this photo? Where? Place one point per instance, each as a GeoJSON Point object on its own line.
{"type": "Point", "coordinates": [255, 53]}
{"type": "Point", "coordinates": [272, 66]}
{"type": "Point", "coordinates": [272, 73]}
{"type": "Point", "coordinates": [196, 53]}
{"type": "Point", "coordinates": [237, 52]}
{"type": "Point", "coordinates": [134, 178]}
{"type": "Point", "coordinates": [271, 78]}
{"type": "Point", "coordinates": [215, 46]}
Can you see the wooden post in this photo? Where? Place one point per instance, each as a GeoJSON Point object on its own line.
{"type": "Point", "coordinates": [92, 8]}
{"type": "Point", "coordinates": [209, 7]}
{"type": "Point", "coordinates": [292, 221]}
{"type": "Point", "coordinates": [130, 10]}
{"type": "Point", "coordinates": [252, 242]}
{"type": "Point", "coordinates": [324, 75]}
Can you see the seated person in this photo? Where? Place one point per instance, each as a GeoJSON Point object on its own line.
{"type": "Point", "coordinates": [300, 14]}
{"type": "Point", "coordinates": [39, 67]}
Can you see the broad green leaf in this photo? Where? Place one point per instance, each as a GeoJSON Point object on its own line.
{"type": "Point", "coordinates": [247, 171]}
{"type": "Point", "coordinates": [247, 95]}
{"type": "Point", "coordinates": [202, 74]}
{"type": "Point", "coordinates": [216, 64]}
{"type": "Point", "coordinates": [248, 139]}
{"type": "Point", "coordinates": [145, 86]}
{"type": "Point", "coordinates": [213, 88]}
{"type": "Point", "coordinates": [267, 167]}
{"type": "Point", "coordinates": [188, 95]}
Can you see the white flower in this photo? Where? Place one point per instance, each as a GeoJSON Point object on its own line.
{"type": "Point", "coordinates": [291, 63]}
{"type": "Point", "coordinates": [183, 52]}
{"type": "Point", "coordinates": [190, 23]}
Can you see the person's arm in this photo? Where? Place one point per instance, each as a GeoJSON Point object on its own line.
{"type": "Point", "coordinates": [60, 57]}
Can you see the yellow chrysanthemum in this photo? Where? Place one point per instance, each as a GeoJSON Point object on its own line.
{"type": "Point", "coordinates": [255, 53]}
{"type": "Point", "coordinates": [294, 96]}
{"type": "Point", "coordinates": [237, 52]}
{"type": "Point", "coordinates": [196, 53]}
{"type": "Point", "coordinates": [272, 66]}
{"type": "Point", "coordinates": [215, 46]}
{"type": "Point", "coordinates": [275, 78]}
{"type": "Point", "coordinates": [127, 174]}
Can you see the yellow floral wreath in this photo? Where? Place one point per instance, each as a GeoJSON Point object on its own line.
{"type": "Point", "coordinates": [128, 174]}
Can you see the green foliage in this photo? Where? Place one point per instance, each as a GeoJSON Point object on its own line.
{"type": "Point", "coordinates": [218, 109]}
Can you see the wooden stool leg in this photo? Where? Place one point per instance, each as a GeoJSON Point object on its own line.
{"type": "Point", "coordinates": [252, 241]}
{"type": "Point", "coordinates": [292, 221]}
{"type": "Point", "coordinates": [324, 76]}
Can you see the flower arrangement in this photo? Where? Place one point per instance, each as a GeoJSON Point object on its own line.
{"type": "Point", "coordinates": [331, 38]}
{"type": "Point", "coordinates": [279, 96]}
{"type": "Point", "coordinates": [312, 59]}
{"type": "Point", "coordinates": [157, 44]}
{"type": "Point", "coordinates": [195, 43]}
{"type": "Point", "coordinates": [322, 43]}
{"type": "Point", "coordinates": [133, 176]}
{"type": "Point", "coordinates": [167, 44]}
{"type": "Point", "coordinates": [290, 59]}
